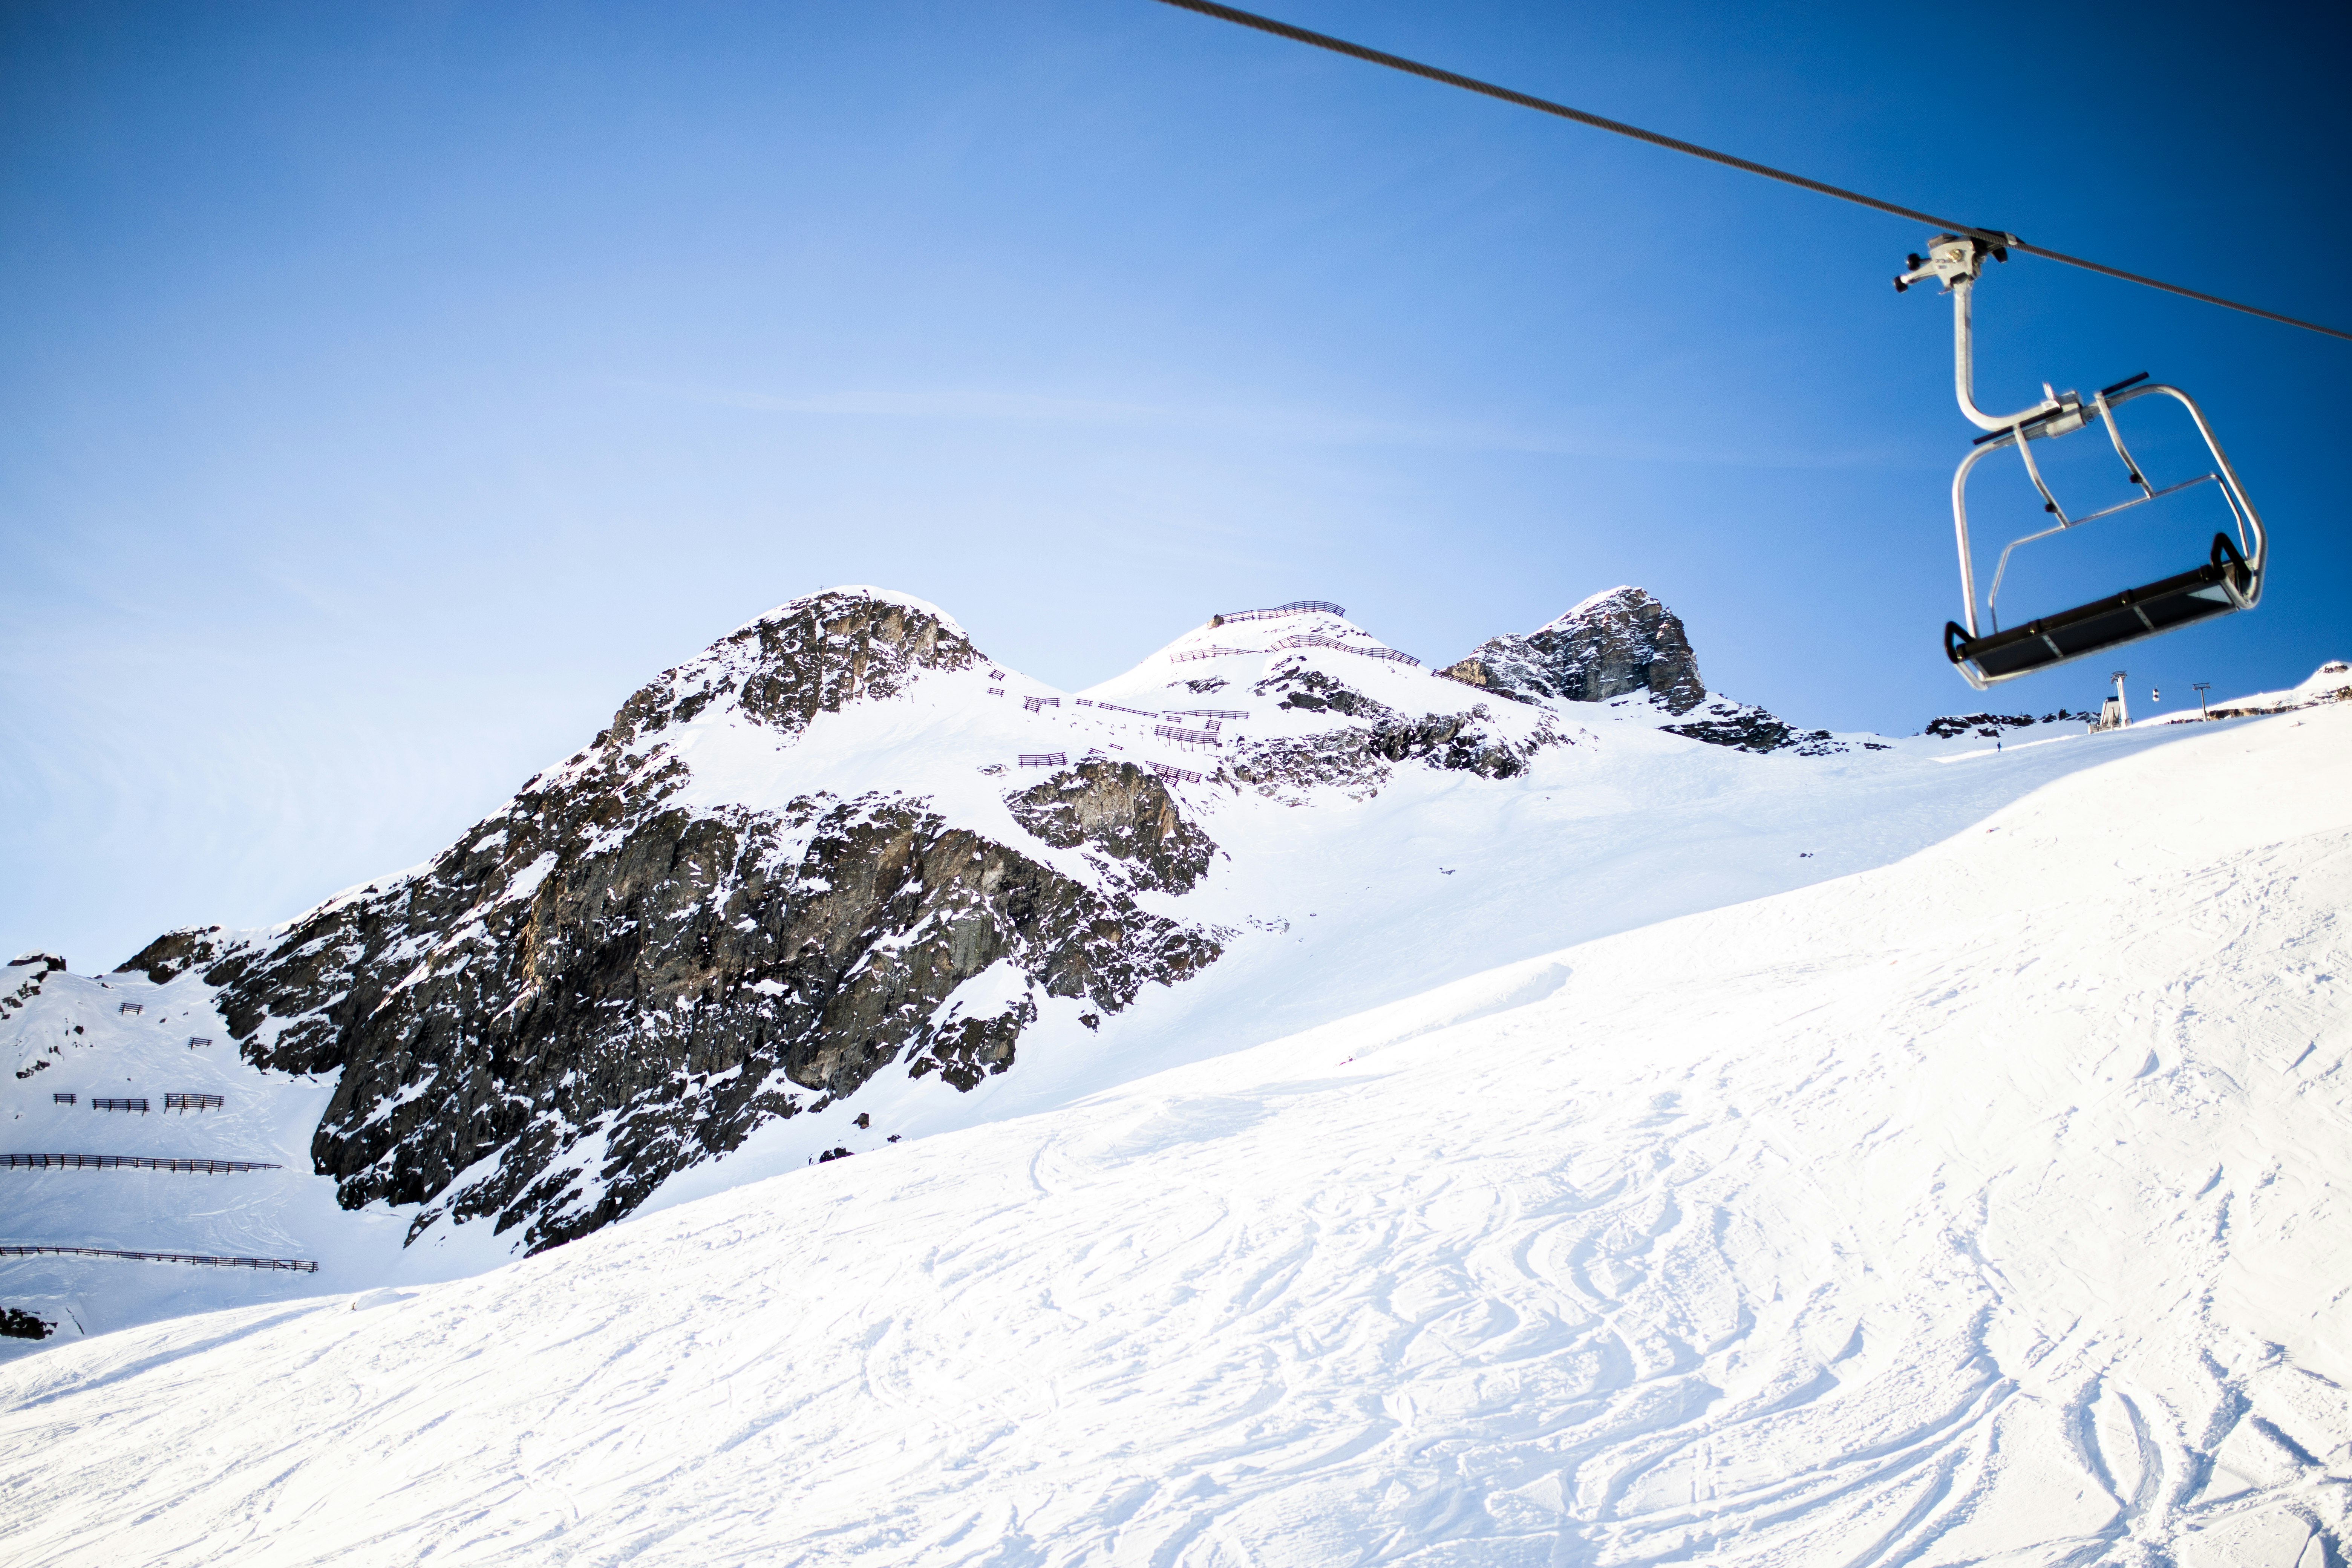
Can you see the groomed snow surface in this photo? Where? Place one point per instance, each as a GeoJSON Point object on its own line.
{"type": "Point", "coordinates": [1984, 1207]}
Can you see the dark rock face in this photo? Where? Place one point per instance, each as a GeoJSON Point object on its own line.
{"type": "Point", "coordinates": [815, 655]}
{"type": "Point", "coordinates": [1312, 691]}
{"type": "Point", "coordinates": [21, 986]}
{"type": "Point", "coordinates": [16, 1324]}
{"type": "Point", "coordinates": [1622, 642]}
{"type": "Point", "coordinates": [1124, 813]}
{"type": "Point", "coordinates": [1747, 728]}
{"type": "Point", "coordinates": [600, 986]}
{"type": "Point", "coordinates": [1359, 759]}
{"type": "Point", "coordinates": [1626, 644]}
{"type": "Point", "coordinates": [1992, 725]}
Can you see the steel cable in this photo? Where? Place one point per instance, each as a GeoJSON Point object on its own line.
{"type": "Point", "coordinates": [1676, 144]}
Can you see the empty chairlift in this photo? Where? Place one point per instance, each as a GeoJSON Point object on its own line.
{"type": "Point", "coordinates": [2230, 578]}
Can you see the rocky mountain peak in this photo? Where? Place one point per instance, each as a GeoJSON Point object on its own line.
{"type": "Point", "coordinates": [1623, 642]}
{"type": "Point", "coordinates": [625, 971]}
{"type": "Point", "coordinates": [807, 657]}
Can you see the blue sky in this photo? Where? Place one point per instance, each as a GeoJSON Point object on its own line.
{"type": "Point", "coordinates": [386, 391]}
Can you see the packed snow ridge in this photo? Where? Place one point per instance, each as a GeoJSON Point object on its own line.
{"type": "Point", "coordinates": [1334, 1108]}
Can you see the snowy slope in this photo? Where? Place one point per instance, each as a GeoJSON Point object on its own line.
{"type": "Point", "coordinates": [75, 1038]}
{"type": "Point", "coordinates": [2331, 682]}
{"type": "Point", "coordinates": [1986, 1206]}
{"type": "Point", "coordinates": [1333, 898]}
{"type": "Point", "coordinates": [1335, 887]}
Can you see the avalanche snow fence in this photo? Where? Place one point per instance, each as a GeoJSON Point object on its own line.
{"type": "Point", "coordinates": [128, 1162]}
{"type": "Point", "coordinates": [1295, 608]}
{"type": "Point", "coordinates": [296, 1265]}
{"type": "Point", "coordinates": [1317, 639]}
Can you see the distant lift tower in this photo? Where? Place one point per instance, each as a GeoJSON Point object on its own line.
{"type": "Point", "coordinates": [2113, 714]}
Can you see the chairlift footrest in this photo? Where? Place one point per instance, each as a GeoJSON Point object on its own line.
{"type": "Point", "coordinates": [2224, 584]}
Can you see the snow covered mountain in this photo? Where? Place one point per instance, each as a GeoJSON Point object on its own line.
{"type": "Point", "coordinates": [1980, 1200]}
{"type": "Point", "coordinates": [718, 913]}
{"type": "Point", "coordinates": [842, 881]}
{"type": "Point", "coordinates": [810, 854]}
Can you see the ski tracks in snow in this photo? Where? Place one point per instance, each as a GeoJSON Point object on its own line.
{"type": "Point", "coordinates": [1984, 1206]}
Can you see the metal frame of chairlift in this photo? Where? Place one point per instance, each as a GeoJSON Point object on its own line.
{"type": "Point", "coordinates": [2231, 580]}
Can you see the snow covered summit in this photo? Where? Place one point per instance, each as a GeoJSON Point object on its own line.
{"type": "Point", "coordinates": [1614, 644]}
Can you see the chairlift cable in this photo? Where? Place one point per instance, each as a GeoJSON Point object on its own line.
{"type": "Point", "coordinates": [1995, 237]}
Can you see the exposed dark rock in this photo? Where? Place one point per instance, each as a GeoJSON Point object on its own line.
{"type": "Point", "coordinates": [599, 987]}
{"type": "Point", "coordinates": [174, 953]}
{"type": "Point", "coordinates": [1991, 726]}
{"type": "Point", "coordinates": [1747, 728]}
{"type": "Point", "coordinates": [963, 1050]}
{"type": "Point", "coordinates": [812, 657]}
{"type": "Point", "coordinates": [16, 1324]}
{"type": "Point", "coordinates": [1124, 811]}
{"type": "Point", "coordinates": [1359, 759]}
{"type": "Point", "coordinates": [1311, 690]}
{"type": "Point", "coordinates": [1619, 643]}
{"type": "Point", "coordinates": [48, 961]}
{"type": "Point", "coordinates": [1625, 645]}
{"type": "Point", "coordinates": [22, 987]}
{"type": "Point", "coordinates": [1952, 724]}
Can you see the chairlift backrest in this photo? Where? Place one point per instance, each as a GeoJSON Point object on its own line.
{"type": "Point", "coordinates": [2230, 579]}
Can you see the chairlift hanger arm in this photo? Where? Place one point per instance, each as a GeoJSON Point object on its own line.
{"type": "Point", "coordinates": [1955, 261]}
{"type": "Point", "coordinates": [1988, 237]}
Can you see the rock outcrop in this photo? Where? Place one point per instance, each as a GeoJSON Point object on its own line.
{"type": "Point", "coordinates": [1620, 643]}
{"type": "Point", "coordinates": [1123, 819]}
{"type": "Point", "coordinates": [603, 985]}
{"type": "Point", "coordinates": [1992, 726]}
{"type": "Point", "coordinates": [1358, 758]}
{"type": "Point", "coordinates": [20, 983]}
{"type": "Point", "coordinates": [1625, 644]}
{"type": "Point", "coordinates": [1744, 726]}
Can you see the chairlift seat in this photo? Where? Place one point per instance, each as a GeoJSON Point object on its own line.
{"type": "Point", "coordinates": [2219, 587]}
{"type": "Point", "coordinates": [2231, 580]}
